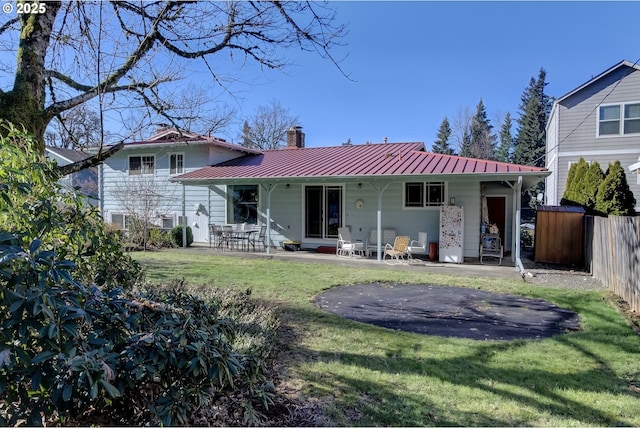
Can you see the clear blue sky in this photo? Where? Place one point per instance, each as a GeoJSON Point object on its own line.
{"type": "Point", "coordinates": [413, 63]}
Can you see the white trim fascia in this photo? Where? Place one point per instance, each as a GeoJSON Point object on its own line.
{"type": "Point", "coordinates": [621, 64]}
{"type": "Point", "coordinates": [600, 152]}
{"type": "Point", "coordinates": [634, 167]}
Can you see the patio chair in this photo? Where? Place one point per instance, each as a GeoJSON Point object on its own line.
{"type": "Point", "coordinates": [388, 235]}
{"type": "Point", "coordinates": [347, 247]}
{"type": "Point", "coordinates": [261, 238]}
{"type": "Point", "coordinates": [215, 235]}
{"type": "Point", "coordinates": [396, 253]}
{"type": "Point", "coordinates": [229, 238]}
{"type": "Point", "coordinates": [417, 247]}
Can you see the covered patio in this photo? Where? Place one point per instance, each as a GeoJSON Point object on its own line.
{"type": "Point", "coordinates": [305, 195]}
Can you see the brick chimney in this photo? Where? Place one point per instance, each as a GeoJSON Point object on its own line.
{"type": "Point", "coordinates": [295, 138]}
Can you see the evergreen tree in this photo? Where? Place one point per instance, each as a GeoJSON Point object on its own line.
{"type": "Point", "coordinates": [535, 108]}
{"type": "Point", "coordinates": [441, 145]}
{"type": "Point", "coordinates": [482, 141]}
{"type": "Point", "coordinates": [590, 185]}
{"type": "Point", "coordinates": [614, 196]}
{"type": "Point", "coordinates": [529, 149]}
{"type": "Point", "coordinates": [246, 135]}
{"type": "Point", "coordinates": [504, 153]}
{"type": "Point", "coordinates": [572, 190]}
{"type": "Point", "coordinates": [465, 148]}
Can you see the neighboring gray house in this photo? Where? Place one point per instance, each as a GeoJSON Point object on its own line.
{"type": "Point", "coordinates": [135, 180]}
{"type": "Point", "coordinates": [86, 180]}
{"type": "Point", "coordinates": [599, 121]}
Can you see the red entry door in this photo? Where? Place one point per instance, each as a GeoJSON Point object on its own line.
{"type": "Point", "coordinates": [496, 206]}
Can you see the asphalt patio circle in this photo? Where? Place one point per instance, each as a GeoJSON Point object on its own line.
{"type": "Point", "coordinates": [448, 311]}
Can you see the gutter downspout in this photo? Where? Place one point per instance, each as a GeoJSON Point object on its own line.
{"type": "Point", "coordinates": [184, 217]}
{"type": "Point", "coordinates": [101, 190]}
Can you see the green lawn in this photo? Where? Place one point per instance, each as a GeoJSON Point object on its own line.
{"type": "Point", "coordinates": [369, 376]}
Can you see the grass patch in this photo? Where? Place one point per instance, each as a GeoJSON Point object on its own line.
{"type": "Point", "coordinates": [368, 376]}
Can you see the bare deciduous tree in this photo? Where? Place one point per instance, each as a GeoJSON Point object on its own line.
{"type": "Point", "coordinates": [77, 128]}
{"type": "Point", "coordinates": [461, 128]}
{"type": "Point", "coordinates": [145, 200]}
{"type": "Point", "coordinates": [267, 128]}
{"type": "Point", "coordinates": [125, 55]}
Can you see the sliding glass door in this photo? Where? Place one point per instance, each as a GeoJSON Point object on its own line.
{"type": "Point", "coordinates": [322, 211]}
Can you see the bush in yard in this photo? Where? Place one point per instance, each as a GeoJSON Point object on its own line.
{"type": "Point", "coordinates": [614, 196]}
{"type": "Point", "coordinates": [69, 354]}
{"type": "Point", "coordinates": [575, 183]}
{"type": "Point", "coordinates": [160, 238]}
{"type": "Point", "coordinates": [77, 344]}
{"type": "Point", "coordinates": [583, 182]}
{"type": "Point", "coordinates": [176, 236]}
{"type": "Point", "coordinates": [35, 205]}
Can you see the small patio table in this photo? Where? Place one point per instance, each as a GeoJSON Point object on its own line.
{"type": "Point", "coordinates": [239, 234]}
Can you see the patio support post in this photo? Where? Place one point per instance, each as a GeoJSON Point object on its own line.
{"type": "Point", "coordinates": [518, 261]}
{"type": "Point", "coordinates": [269, 188]}
{"type": "Point", "coordinates": [184, 217]}
{"type": "Point", "coordinates": [209, 215]}
{"type": "Point", "coordinates": [514, 209]}
{"type": "Point", "coordinates": [380, 191]}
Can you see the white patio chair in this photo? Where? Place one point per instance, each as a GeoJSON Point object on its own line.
{"type": "Point", "coordinates": [346, 246]}
{"type": "Point", "coordinates": [417, 247]}
{"type": "Point", "coordinates": [396, 253]}
{"type": "Point", "coordinates": [388, 235]}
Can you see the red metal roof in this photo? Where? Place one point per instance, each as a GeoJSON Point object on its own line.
{"type": "Point", "coordinates": [172, 137]}
{"type": "Point", "coordinates": [368, 160]}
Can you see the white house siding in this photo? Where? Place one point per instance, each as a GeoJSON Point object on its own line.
{"type": "Point", "coordinates": [576, 131]}
{"type": "Point", "coordinates": [115, 173]}
{"type": "Point", "coordinates": [288, 221]}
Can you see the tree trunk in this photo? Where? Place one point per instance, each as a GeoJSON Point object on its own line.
{"type": "Point", "coordinates": [24, 104]}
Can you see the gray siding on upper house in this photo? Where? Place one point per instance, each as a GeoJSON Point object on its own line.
{"type": "Point", "coordinates": [572, 131]}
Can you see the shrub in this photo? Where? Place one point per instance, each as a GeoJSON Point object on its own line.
{"type": "Point", "coordinates": [69, 353]}
{"type": "Point", "coordinates": [176, 236]}
{"type": "Point", "coordinates": [77, 343]}
{"type": "Point", "coordinates": [35, 206]}
{"type": "Point", "coordinates": [159, 238]}
{"type": "Point", "coordinates": [575, 184]}
{"type": "Point", "coordinates": [614, 196]}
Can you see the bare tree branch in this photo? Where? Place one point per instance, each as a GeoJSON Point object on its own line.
{"type": "Point", "coordinates": [90, 161]}
{"type": "Point", "coordinates": [126, 52]}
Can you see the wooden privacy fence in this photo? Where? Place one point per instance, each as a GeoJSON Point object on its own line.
{"type": "Point", "coordinates": [615, 256]}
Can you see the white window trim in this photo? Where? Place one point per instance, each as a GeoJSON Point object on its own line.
{"type": "Point", "coordinates": [167, 217]}
{"type": "Point", "coordinates": [183, 163]}
{"type": "Point", "coordinates": [142, 155]}
{"type": "Point", "coordinates": [621, 133]}
{"type": "Point", "coordinates": [424, 185]}
{"type": "Point", "coordinates": [124, 219]}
